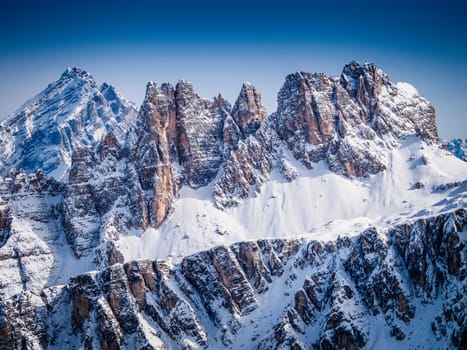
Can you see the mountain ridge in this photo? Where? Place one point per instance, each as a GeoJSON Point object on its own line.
{"type": "Point", "coordinates": [184, 174]}
{"type": "Point", "coordinates": [147, 304]}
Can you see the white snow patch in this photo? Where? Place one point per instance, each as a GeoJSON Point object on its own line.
{"type": "Point", "coordinates": [407, 89]}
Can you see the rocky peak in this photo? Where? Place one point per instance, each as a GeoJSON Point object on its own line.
{"type": "Point", "coordinates": [355, 70]}
{"type": "Point", "coordinates": [301, 97]}
{"type": "Point", "coordinates": [248, 112]}
{"type": "Point", "coordinates": [329, 109]}
{"type": "Point", "coordinates": [153, 90]}
{"type": "Point", "coordinates": [363, 80]}
{"type": "Point", "coordinates": [109, 145]}
{"type": "Point", "coordinates": [156, 118]}
{"type": "Point", "coordinates": [156, 149]}
{"type": "Point", "coordinates": [222, 105]}
{"type": "Point", "coordinates": [71, 112]}
{"type": "Point", "coordinates": [121, 107]}
{"type": "Point", "coordinates": [351, 122]}
{"type": "Point", "coordinates": [74, 72]}
{"type": "Point", "coordinates": [327, 293]}
{"type": "Point", "coordinates": [102, 200]}
{"type": "Point", "coordinates": [73, 81]}
{"type": "Point", "coordinates": [167, 89]}
{"type": "Point", "coordinates": [185, 93]}
{"type": "Point", "coordinates": [199, 127]}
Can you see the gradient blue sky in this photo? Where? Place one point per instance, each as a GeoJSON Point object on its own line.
{"type": "Point", "coordinates": [218, 45]}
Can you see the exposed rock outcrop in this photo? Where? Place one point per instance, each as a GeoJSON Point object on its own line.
{"type": "Point", "coordinates": [248, 112]}
{"type": "Point", "coordinates": [276, 293]}
{"type": "Point", "coordinates": [350, 122]}
{"type": "Point", "coordinates": [200, 135]}
{"type": "Point", "coordinates": [111, 179]}
{"type": "Point", "coordinates": [103, 200]}
{"type": "Point", "coordinates": [156, 149]}
{"type": "Point", "coordinates": [31, 232]}
{"type": "Point", "coordinates": [179, 138]}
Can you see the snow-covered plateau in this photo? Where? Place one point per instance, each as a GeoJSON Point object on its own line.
{"type": "Point", "coordinates": [336, 222]}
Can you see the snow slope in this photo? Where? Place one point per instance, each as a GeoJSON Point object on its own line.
{"type": "Point", "coordinates": [318, 204]}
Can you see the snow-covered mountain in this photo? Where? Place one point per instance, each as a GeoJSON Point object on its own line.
{"type": "Point", "coordinates": [335, 222]}
{"type": "Point", "coordinates": [71, 112]}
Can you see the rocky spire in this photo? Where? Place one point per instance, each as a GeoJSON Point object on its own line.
{"type": "Point", "coordinates": [364, 82]}
{"type": "Point", "coordinates": [155, 150]}
{"type": "Point", "coordinates": [248, 112]}
{"type": "Point", "coordinates": [199, 126]}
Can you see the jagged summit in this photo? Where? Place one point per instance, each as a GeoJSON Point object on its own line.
{"type": "Point", "coordinates": [74, 72]}
{"type": "Point", "coordinates": [70, 113]}
{"type": "Point", "coordinates": [248, 112]}
{"type": "Point", "coordinates": [355, 69]}
{"type": "Point", "coordinates": [185, 87]}
{"type": "Point", "coordinates": [351, 123]}
{"type": "Point", "coordinates": [256, 194]}
{"type": "Point", "coordinates": [151, 85]}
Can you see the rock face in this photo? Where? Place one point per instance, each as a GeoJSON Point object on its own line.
{"type": "Point", "coordinates": [32, 239]}
{"type": "Point", "coordinates": [119, 172]}
{"type": "Point", "coordinates": [248, 111]}
{"type": "Point", "coordinates": [248, 167]}
{"type": "Point", "coordinates": [180, 139]}
{"type": "Point", "coordinates": [199, 125]}
{"type": "Point", "coordinates": [156, 149]}
{"type": "Point", "coordinates": [116, 187]}
{"type": "Point", "coordinates": [69, 113]}
{"type": "Point", "coordinates": [350, 122]}
{"type": "Point", "coordinates": [266, 294]}
{"type": "Point", "coordinates": [103, 199]}
{"type": "Point", "coordinates": [183, 139]}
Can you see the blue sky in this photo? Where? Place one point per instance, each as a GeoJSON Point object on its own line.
{"type": "Point", "coordinates": [218, 45]}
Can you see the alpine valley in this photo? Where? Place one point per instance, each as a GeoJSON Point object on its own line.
{"type": "Point", "coordinates": [336, 222]}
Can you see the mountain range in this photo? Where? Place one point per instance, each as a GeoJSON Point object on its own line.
{"type": "Point", "coordinates": [336, 222]}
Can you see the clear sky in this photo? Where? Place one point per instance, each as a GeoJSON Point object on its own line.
{"type": "Point", "coordinates": [217, 45]}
